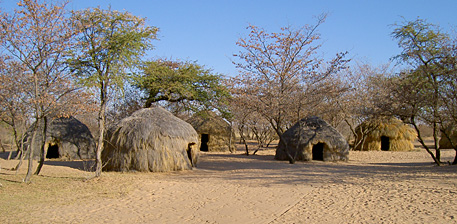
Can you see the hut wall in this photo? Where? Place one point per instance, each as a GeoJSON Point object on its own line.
{"type": "Point", "coordinates": [305, 152]}
{"type": "Point", "coordinates": [444, 142]}
{"type": "Point", "coordinates": [72, 137]}
{"type": "Point", "coordinates": [372, 144]}
{"type": "Point", "coordinates": [219, 143]}
{"type": "Point", "coordinates": [162, 154]}
{"type": "Point", "coordinates": [151, 140]}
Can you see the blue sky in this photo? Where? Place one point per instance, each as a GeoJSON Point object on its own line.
{"type": "Point", "coordinates": [206, 31]}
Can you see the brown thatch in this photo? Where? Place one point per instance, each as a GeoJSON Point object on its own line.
{"type": "Point", "coordinates": [66, 138]}
{"type": "Point", "coordinates": [313, 139]}
{"type": "Point", "coordinates": [153, 140]}
{"type": "Point", "coordinates": [444, 141]}
{"type": "Point", "coordinates": [214, 132]}
{"type": "Point", "coordinates": [387, 134]}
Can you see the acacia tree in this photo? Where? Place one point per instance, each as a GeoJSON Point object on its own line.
{"type": "Point", "coordinates": [448, 94]}
{"type": "Point", "coordinates": [38, 35]}
{"type": "Point", "coordinates": [14, 109]}
{"type": "Point", "coordinates": [186, 86]}
{"type": "Point", "coordinates": [367, 90]}
{"type": "Point", "coordinates": [421, 88]}
{"type": "Point", "coordinates": [110, 45]}
{"type": "Point", "coordinates": [282, 75]}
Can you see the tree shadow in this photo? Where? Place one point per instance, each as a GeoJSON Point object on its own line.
{"type": "Point", "coordinates": [268, 171]}
{"type": "Point", "coordinates": [83, 165]}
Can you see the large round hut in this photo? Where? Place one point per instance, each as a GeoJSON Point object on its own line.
{"type": "Point", "coordinates": [444, 140]}
{"type": "Point", "coordinates": [66, 138]}
{"type": "Point", "coordinates": [312, 139]}
{"type": "Point", "coordinates": [384, 134]}
{"type": "Point", "coordinates": [151, 139]}
{"type": "Point", "coordinates": [215, 133]}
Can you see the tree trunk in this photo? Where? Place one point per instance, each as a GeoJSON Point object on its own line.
{"type": "Point", "coordinates": [101, 138]}
{"type": "Point", "coordinates": [21, 158]}
{"type": "Point", "coordinates": [31, 148]}
{"type": "Point", "coordinates": [230, 140]}
{"type": "Point", "coordinates": [43, 146]}
{"type": "Point", "coordinates": [423, 143]}
{"type": "Point", "coordinates": [19, 146]}
{"type": "Point", "coordinates": [281, 139]}
{"type": "Point", "coordinates": [243, 140]}
{"type": "Point", "coordinates": [435, 142]}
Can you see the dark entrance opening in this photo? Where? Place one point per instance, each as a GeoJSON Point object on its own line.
{"type": "Point", "coordinates": [189, 152]}
{"type": "Point", "coordinates": [385, 143]}
{"type": "Point", "coordinates": [318, 151]}
{"type": "Point", "coordinates": [53, 152]}
{"type": "Point", "coordinates": [205, 140]}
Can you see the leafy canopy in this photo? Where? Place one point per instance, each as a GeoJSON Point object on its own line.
{"type": "Point", "coordinates": [184, 82]}
{"type": "Point", "coordinates": [110, 44]}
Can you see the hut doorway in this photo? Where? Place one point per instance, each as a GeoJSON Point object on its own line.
{"type": "Point", "coordinates": [318, 151]}
{"type": "Point", "coordinates": [53, 152]}
{"type": "Point", "coordinates": [189, 152]}
{"type": "Point", "coordinates": [204, 145]}
{"type": "Point", "coordinates": [385, 143]}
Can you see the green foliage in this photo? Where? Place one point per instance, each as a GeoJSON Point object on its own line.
{"type": "Point", "coordinates": [423, 90]}
{"type": "Point", "coordinates": [421, 42]}
{"type": "Point", "coordinates": [183, 82]}
{"type": "Point", "coordinates": [110, 44]}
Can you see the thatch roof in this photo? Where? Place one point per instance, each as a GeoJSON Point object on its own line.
{"type": "Point", "coordinates": [208, 123]}
{"type": "Point", "coordinates": [400, 136]}
{"type": "Point", "coordinates": [304, 137]}
{"type": "Point", "coordinates": [151, 139]}
{"type": "Point", "coordinates": [72, 138]}
{"type": "Point", "coordinates": [444, 141]}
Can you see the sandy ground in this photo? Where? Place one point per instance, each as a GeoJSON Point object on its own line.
{"type": "Point", "coordinates": [373, 187]}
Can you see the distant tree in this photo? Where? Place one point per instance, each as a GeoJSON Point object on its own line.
{"type": "Point", "coordinates": [110, 46]}
{"type": "Point", "coordinates": [367, 90]}
{"type": "Point", "coordinates": [14, 109]}
{"type": "Point", "coordinates": [281, 74]}
{"type": "Point", "coordinates": [37, 36]}
{"type": "Point", "coordinates": [185, 85]}
{"type": "Point", "coordinates": [124, 105]}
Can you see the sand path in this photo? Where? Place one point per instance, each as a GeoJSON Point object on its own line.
{"type": "Point", "coordinates": [373, 187]}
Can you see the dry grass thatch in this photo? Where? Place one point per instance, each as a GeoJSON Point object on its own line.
{"type": "Point", "coordinates": [66, 138]}
{"type": "Point", "coordinates": [389, 134]}
{"type": "Point", "coordinates": [444, 141]}
{"type": "Point", "coordinates": [218, 131]}
{"type": "Point", "coordinates": [313, 138]}
{"type": "Point", "coordinates": [153, 140]}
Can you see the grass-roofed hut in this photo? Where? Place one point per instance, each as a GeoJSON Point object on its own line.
{"type": "Point", "coordinates": [313, 139]}
{"type": "Point", "coordinates": [444, 141]}
{"type": "Point", "coordinates": [66, 138]}
{"type": "Point", "coordinates": [151, 139]}
{"type": "Point", "coordinates": [215, 133]}
{"type": "Point", "coordinates": [384, 134]}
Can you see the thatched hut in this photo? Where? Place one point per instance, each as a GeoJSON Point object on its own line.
{"type": "Point", "coordinates": [312, 139]}
{"type": "Point", "coordinates": [444, 141]}
{"type": "Point", "coordinates": [151, 139]}
{"type": "Point", "coordinates": [215, 133]}
{"type": "Point", "coordinates": [66, 138]}
{"type": "Point", "coordinates": [384, 134]}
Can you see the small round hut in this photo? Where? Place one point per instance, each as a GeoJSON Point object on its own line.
{"type": "Point", "coordinates": [312, 139]}
{"type": "Point", "coordinates": [444, 141]}
{"type": "Point", "coordinates": [384, 134]}
{"type": "Point", "coordinates": [66, 138]}
{"type": "Point", "coordinates": [151, 139]}
{"type": "Point", "coordinates": [215, 133]}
